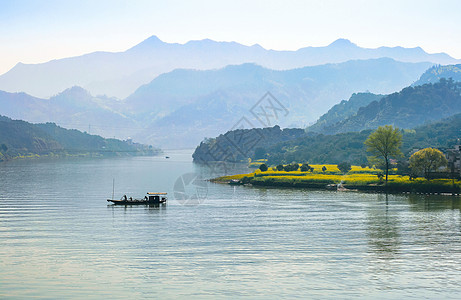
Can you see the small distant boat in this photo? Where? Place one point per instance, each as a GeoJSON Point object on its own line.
{"type": "Point", "coordinates": [149, 199]}
{"type": "Point", "coordinates": [167, 157]}
{"type": "Point", "coordinates": [235, 182]}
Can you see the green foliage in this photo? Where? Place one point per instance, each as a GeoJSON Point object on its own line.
{"type": "Point", "coordinates": [263, 167]}
{"type": "Point", "coordinates": [324, 149]}
{"type": "Point", "coordinates": [279, 167]}
{"type": "Point", "coordinates": [344, 166]}
{"type": "Point", "coordinates": [439, 72]}
{"type": "Point", "coordinates": [343, 110]}
{"type": "Point", "coordinates": [324, 169]}
{"type": "Point", "coordinates": [291, 167]}
{"type": "Point", "coordinates": [254, 142]}
{"type": "Point", "coordinates": [306, 168]}
{"type": "Point", "coordinates": [426, 160]}
{"type": "Point", "coordinates": [385, 143]}
{"type": "Point", "coordinates": [25, 139]}
{"type": "Point", "coordinates": [403, 168]}
{"type": "Point", "coordinates": [411, 107]}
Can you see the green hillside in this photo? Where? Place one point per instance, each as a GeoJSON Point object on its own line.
{"type": "Point", "coordinates": [411, 107]}
{"type": "Point", "coordinates": [435, 73]}
{"type": "Point", "coordinates": [349, 146]}
{"type": "Point", "coordinates": [343, 110]}
{"type": "Point", "coordinates": [22, 139]}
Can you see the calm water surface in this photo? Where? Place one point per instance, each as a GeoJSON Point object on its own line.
{"type": "Point", "coordinates": [60, 239]}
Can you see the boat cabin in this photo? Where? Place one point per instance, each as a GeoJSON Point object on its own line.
{"type": "Point", "coordinates": [156, 197]}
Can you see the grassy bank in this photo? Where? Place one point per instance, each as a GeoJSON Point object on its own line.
{"type": "Point", "coordinates": [358, 178]}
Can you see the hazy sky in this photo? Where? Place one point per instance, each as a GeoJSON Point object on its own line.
{"type": "Point", "coordinates": [38, 31]}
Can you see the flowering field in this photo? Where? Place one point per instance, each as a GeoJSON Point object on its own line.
{"type": "Point", "coordinates": [357, 178]}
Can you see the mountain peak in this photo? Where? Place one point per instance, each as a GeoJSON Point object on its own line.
{"type": "Point", "coordinates": [75, 91]}
{"type": "Point", "coordinates": [152, 40]}
{"type": "Point", "coordinates": [342, 43]}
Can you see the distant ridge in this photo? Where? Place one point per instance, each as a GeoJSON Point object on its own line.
{"type": "Point", "coordinates": [411, 107]}
{"type": "Point", "coordinates": [22, 139]}
{"type": "Point", "coordinates": [121, 73]}
{"type": "Point", "coordinates": [180, 108]}
{"type": "Point", "coordinates": [438, 72]}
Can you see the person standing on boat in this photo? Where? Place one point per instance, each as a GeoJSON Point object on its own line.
{"type": "Point", "coordinates": [124, 197]}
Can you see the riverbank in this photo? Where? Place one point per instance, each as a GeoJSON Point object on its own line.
{"type": "Point", "coordinates": [94, 154]}
{"type": "Point", "coordinates": [361, 179]}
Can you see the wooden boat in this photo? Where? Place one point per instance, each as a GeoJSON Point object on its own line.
{"type": "Point", "coordinates": [149, 199]}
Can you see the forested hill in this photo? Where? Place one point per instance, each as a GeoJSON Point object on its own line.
{"type": "Point", "coordinates": [435, 73]}
{"type": "Point", "coordinates": [22, 139]}
{"type": "Point", "coordinates": [343, 110]}
{"type": "Point", "coordinates": [349, 146]}
{"type": "Point", "coordinates": [240, 144]}
{"type": "Point", "coordinates": [292, 145]}
{"type": "Point", "coordinates": [411, 107]}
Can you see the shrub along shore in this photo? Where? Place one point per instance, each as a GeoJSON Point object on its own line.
{"type": "Point", "coordinates": [358, 178]}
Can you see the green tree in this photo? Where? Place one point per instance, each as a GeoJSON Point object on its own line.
{"type": "Point", "coordinates": [426, 160]}
{"type": "Point", "coordinates": [384, 143]}
{"type": "Point", "coordinates": [291, 167]}
{"type": "Point", "coordinates": [344, 167]}
{"type": "Point", "coordinates": [263, 167]}
{"type": "Point", "coordinates": [305, 167]}
{"type": "Point", "coordinates": [279, 167]}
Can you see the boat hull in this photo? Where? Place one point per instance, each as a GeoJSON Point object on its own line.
{"type": "Point", "coordinates": [135, 202]}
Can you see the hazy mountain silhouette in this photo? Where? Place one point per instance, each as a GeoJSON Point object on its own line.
{"type": "Point", "coordinates": [191, 104]}
{"type": "Point", "coordinates": [73, 108]}
{"type": "Point", "coordinates": [180, 108]}
{"type": "Point", "coordinates": [119, 74]}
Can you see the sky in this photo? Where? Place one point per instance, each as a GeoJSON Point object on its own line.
{"type": "Point", "coordinates": [37, 31]}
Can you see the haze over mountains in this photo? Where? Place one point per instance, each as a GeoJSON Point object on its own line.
{"type": "Point", "coordinates": [206, 87]}
{"type": "Point", "coordinates": [120, 74]}
{"type": "Point", "coordinates": [408, 108]}
{"type": "Point", "coordinates": [436, 95]}
{"type": "Point", "coordinates": [180, 108]}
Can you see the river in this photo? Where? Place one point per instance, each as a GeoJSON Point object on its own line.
{"type": "Point", "coordinates": [60, 239]}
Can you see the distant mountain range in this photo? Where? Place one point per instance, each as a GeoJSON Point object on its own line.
{"type": "Point", "coordinates": [120, 74]}
{"type": "Point", "coordinates": [180, 108]}
{"type": "Point", "coordinates": [73, 108]}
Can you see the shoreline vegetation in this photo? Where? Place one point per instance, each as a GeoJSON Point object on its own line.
{"type": "Point", "coordinates": [357, 179]}
{"type": "Point", "coordinates": [23, 140]}
{"type": "Point", "coordinates": [61, 155]}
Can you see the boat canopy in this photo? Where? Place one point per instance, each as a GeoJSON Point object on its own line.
{"type": "Point", "coordinates": [156, 193]}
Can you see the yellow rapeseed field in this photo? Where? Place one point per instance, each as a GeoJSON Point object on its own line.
{"type": "Point", "coordinates": [357, 177]}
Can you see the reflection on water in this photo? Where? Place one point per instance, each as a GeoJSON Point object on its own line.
{"type": "Point", "coordinates": [433, 202]}
{"type": "Point", "coordinates": [383, 228]}
{"type": "Point", "coordinates": [60, 239]}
